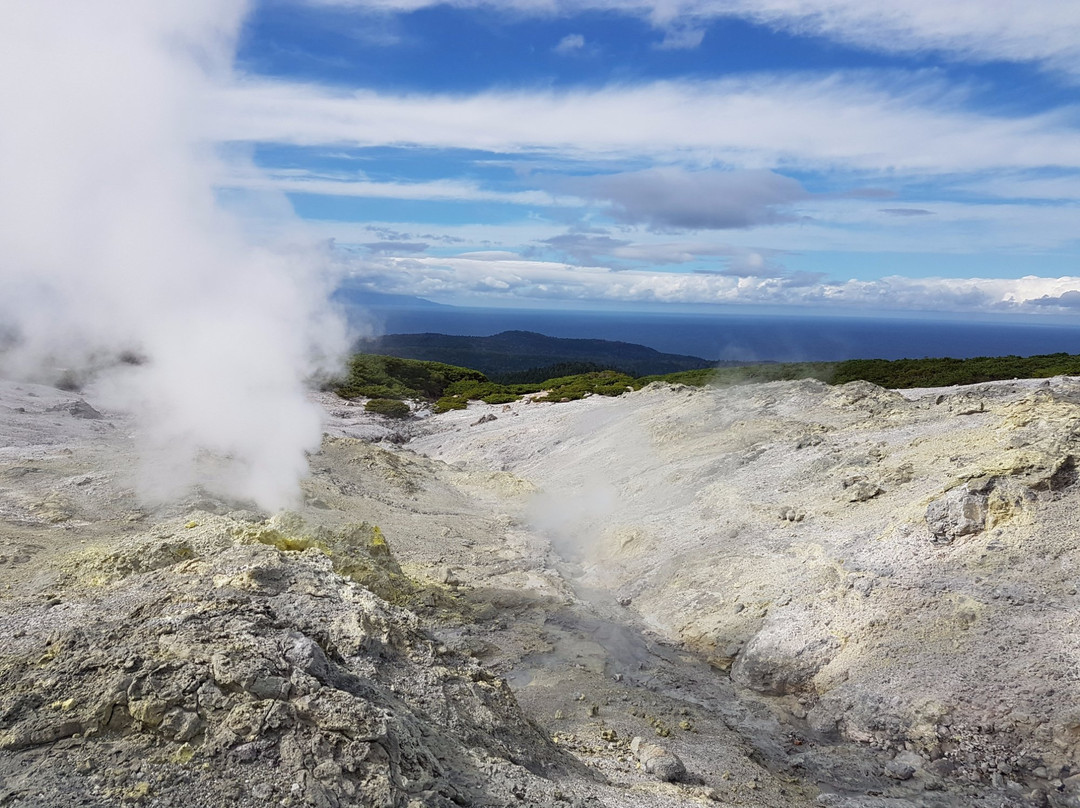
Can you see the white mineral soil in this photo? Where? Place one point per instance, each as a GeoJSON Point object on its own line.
{"type": "Point", "coordinates": [807, 595]}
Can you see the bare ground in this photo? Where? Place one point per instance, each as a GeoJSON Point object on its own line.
{"type": "Point", "coordinates": [809, 595]}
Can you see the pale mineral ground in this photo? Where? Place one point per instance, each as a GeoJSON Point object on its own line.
{"type": "Point", "coordinates": [781, 594]}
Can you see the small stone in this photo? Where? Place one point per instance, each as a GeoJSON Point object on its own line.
{"type": "Point", "coordinates": [261, 791]}
{"type": "Point", "coordinates": [861, 491]}
{"type": "Point", "coordinates": [182, 725]}
{"type": "Point", "coordinates": [958, 513]}
{"type": "Point", "coordinates": [898, 770]}
{"type": "Point", "coordinates": [150, 712]}
{"type": "Point", "coordinates": [245, 753]}
{"type": "Point", "coordinates": [271, 687]}
{"type": "Point", "coordinates": [657, 761]}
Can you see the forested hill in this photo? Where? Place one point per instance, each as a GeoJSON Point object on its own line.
{"type": "Point", "coordinates": [510, 355]}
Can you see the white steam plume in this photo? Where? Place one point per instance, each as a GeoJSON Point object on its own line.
{"type": "Point", "coordinates": [112, 238]}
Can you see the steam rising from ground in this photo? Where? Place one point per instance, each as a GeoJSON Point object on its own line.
{"type": "Point", "coordinates": [113, 239]}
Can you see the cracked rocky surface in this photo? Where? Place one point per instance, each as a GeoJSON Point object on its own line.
{"type": "Point", "coordinates": [781, 594]}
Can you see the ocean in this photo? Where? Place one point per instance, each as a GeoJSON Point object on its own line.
{"type": "Point", "coordinates": [753, 337]}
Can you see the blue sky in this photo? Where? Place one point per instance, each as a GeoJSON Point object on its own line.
{"type": "Point", "coordinates": [826, 154]}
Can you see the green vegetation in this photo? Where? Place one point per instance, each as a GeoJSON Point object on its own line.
{"type": "Point", "coordinates": [946, 372]}
{"type": "Point", "coordinates": [542, 374]}
{"type": "Point", "coordinates": [565, 388]}
{"type": "Point", "coordinates": [747, 374]}
{"type": "Point", "coordinates": [390, 407]}
{"type": "Point", "coordinates": [602, 383]}
{"type": "Point", "coordinates": [375, 376]}
{"type": "Point", "coordinates": [388, 380]}
{"type": "Point", "coordinates": [458, 395]}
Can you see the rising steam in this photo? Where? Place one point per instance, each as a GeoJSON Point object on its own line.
{"type": "Point", "coordinates": [112, 239]}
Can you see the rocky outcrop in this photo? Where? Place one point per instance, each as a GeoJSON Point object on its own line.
{"type": "Point", "coordinates": [959, 513]}
{"type": "Point", "coordinates": [785, 655]}
{"type": "Point", "coordinates": [252, 676]}
{"type": "Point", "coordinates": [894, 569]}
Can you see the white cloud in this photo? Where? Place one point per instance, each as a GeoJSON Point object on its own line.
{"type": "Point", "coordinates": [686, 36]}
{"type": "Point", "coordinates": [954, 227]}
{"type": "Point", "coordinates": [829, 225]}
{"type": "Point", "coordinates": [590, 249]}
{"type": "Point", "coordinates": [1041, 31]}
{"type": "Point", "coordinates": [1020, 187]}
{"type": "Point", "coordinates": [476, 235]}
{"type": "Point", "coordinates": [1046, 31]}
{"type": "Point", "coordinates": [571, 43]}
{"type": "Point", "coordinates": [861, 123]}
{"type": "Point", "coordinates": [499, 281]}
{"type": "Point", "coordinates": [302, 182]}
{"type": "Point", "coordinates": [665, 198]}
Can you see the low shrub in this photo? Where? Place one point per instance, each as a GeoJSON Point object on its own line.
{"type": "Point", "coordinates": [390, 377]}
{"type": "Point", "coordinates": [389, 407]}
{"type": "Point", "coordinates": [447, 403]}
{"type": "Point", "coordinates": [500, 398]}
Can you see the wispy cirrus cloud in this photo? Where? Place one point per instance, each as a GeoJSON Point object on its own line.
{"type": "Point", "coordinates": [853, 122]}
{"type": "Point", "coordinates": [395, 247]}
{"type": "Point", "coordinates": [602, 250]}
{"type": "Point", "coordinates": [306, 182]}
{"type": "Point", "coordinates": [1065, 187]}
{"type": "Point", "coordinates": [1044, 32]}
{"type": "Point", "coordinates": [906, 211]}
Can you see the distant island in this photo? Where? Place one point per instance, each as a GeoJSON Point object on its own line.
{"type": "Point", "coordinates": [518, 357]}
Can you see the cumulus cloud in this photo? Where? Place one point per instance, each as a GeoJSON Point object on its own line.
{"type": "Point", "coordinates": [571, 43]}
{"type": "Point", "coordinates": [672, 198]}
{"type": "Point", "coordinates": [113, 239]}
{"type": "Point", "coordinates": [1066, 300]}
{"type": "Point", "coordinates": [531, 281]}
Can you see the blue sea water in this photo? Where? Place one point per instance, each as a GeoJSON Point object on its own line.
{"type": "Point", "coordinates": [754, 337]}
